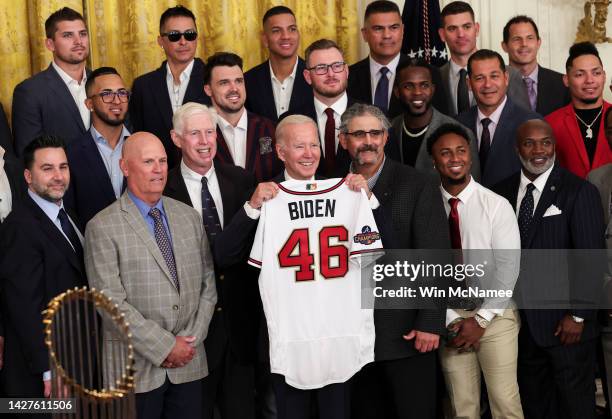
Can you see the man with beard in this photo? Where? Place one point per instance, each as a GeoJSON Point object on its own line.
{"type": "Point", "coordinates": [555, 210]}
{"type": "Point", "coordinates": [579, 126]}
{"type": "Point", "coordinates": [53, 101]}
{"type": "Point", "coordinates": [41, 257]}
{"type": "Point", "coordinates": [243, 138]}
{"type": "Point", "coordinates": [97, 180]}
{"type": "Point", "coordinates": [522, 42]}
{"type": "Point", "coordinates": [414, 87]}
{"type": "Point", "coordinates": [327, 73]}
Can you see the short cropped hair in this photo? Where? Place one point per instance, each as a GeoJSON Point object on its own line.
{"type": "Point", "coordinates": [456, 8]}
{"type": "Point", "coordinates": [362, 109]}
{"type": "Point", "coordinates": [276, 10]}
{"type": "Point", "coordinates": [318, 45]}
{"type": "Point", "coordinates": [580, 49]}
{"type": "Point", "coordinates": [444, 129]}
{"type": "Point", "coordinates": [102, 71]}
{"type": "Point", "coordinates": [220, 59]}
{"type": "Point", "coordinates": [189, 109]}
{"type": "Point", "coordinates": [519, 19]}
{"type": "Point", "coordinates": [381, 6]}
{"type": "Point", "coordinates": [42, 141]}
{"type": "Point", "coordinates": [175, 11]}
{"type": "Point", "coordinates": [413, 63]}
{"type": "Point", "coordinates": [292, 120]}
{"type": "Point", "coordinates": [61, 15]}
{"type": "Point", "coordinates": [485, 54]}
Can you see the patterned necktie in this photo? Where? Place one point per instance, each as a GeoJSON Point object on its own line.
{"type": "Point", "coordinates": [330, 142]}
{"type": "Point", "coordinates": [210, 217]}
{"type": "Point", "coordinates": [531, 92]}
{"type": "Point", "coordinates": [163, 242]}
{"type": "Point", "coordinates": [463, 97]}
{"type": "Point", "coordinates": [485, 143]}
{"type": "Point", "coordinates": [70, 232]}
{"type": "Point", "coordinates": [525, 216]}
{"type": "Point", "coordinates": [381, 95]}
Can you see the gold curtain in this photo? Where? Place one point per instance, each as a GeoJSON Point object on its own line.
{"type": "Point", "coordinates": [123, 33]}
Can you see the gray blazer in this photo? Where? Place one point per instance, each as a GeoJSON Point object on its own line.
{"type": "Point", "coordinates": [393, 149]}
{"type": "Point", "coordinates": [516, 88]}
{"type": "Point", "coordinates": [602, 179]}
{"type": "Point", "coordinates": [123, 260]}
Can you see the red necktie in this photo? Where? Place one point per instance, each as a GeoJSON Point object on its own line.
{"type": "Point", "coordinates": [330, 142]}
{"type": "Point", "coordinates": [453, 223]}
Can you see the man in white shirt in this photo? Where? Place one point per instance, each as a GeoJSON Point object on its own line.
{"type": "Point", "coordinates": [484, 334]}
{"type": "Point", "coordinates": [53, 101]}
{"type": "Point", "coordinates": [244, 138]}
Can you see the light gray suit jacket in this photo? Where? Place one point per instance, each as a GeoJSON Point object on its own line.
{"type": "Point", "coordinates": [123, 260]}
{"type": "Point", "coordinates": [602, 179]}
{"type": "Point", "coordinates": [516, 88]}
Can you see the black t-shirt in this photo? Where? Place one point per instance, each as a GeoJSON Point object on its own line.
{"type": "Point", "coordinates": [588, 116]}
{"type": "Point", "coordinates": [412, 145]}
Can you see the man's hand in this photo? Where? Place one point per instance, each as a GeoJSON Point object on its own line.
{"type": "Point", "coordinates": [569, 331]}
{"type": "Point", "coordinates": [264, 192]}
{"type": "Point", "coordinates": [468, 335]}
{"type": "Point", "coordinates": [63, 389]}
{"type": "Point", "coordinates": [357, 182]}
{"type": "Point", "coordinates": [424, 342]}
{"type": "Point", "coordinates": [182, 352]}
{"type": "Point", "coordinates": [47, 390]}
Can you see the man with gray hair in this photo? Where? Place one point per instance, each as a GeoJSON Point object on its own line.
{"type": "Point", "coordinates": [410, 216]}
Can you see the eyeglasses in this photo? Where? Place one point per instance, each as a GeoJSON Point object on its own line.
{"type": "Point", "coordinates": [175, 36]}
{"type": "Point", "coordinates": [108, 96]}
{"type": "Point", "coordinates": [321, 69]}
{"type": "Point", "coordinates": [374, 133]}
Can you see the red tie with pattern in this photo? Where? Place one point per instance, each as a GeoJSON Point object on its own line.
{"type": "Point", "coordinates": [330, 142]}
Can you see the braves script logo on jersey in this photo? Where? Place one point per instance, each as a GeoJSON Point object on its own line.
{"type": "Point", "coordinates": [367, 236]}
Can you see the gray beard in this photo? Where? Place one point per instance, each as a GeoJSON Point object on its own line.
{"type": "Point", "coordinates": [537, 170]}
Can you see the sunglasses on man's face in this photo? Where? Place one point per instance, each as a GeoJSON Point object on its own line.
{"type": "Point", "coordinates": [174, 36]}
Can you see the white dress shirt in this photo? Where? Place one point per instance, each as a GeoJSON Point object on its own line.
{"type": "Point", "coordinates": [539, 183]}
{"type": "Point", "coordinates": [282, 90]}
{"type": "Point", "coordinates": [453, 80]}
{"type": "Point", "coordinates": [494, 117]}
{"type": "Point", "coordinates": [176, 92]}
{"type": "Point", "coordinates": [193, 181]}
{"type": "Point", "coordinates": [111, 157]}
{"type": "Point", "coordinates": [375, 74]}
{"type": "Point", "coordinates": [487, 221]}
{"type": "Point", "coordinates": [77, 90]}
{"type": "Point", "coordinates": [236, 138]}
{"type": "Point", "coordinates": [6, 199]}
{"type": "Point", "coordinates": [339, 107]}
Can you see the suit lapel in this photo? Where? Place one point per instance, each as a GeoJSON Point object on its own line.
{"type": "Point", "coordinates": [175, 224]}
{"type": "Point", "coordinates": [299, 93]}
{"type": "Point", "coordinates": [161, 96]}
{"type": "Point", "coordinates": [92, 159]}
{"type": "Point", "coordinates": [382, 188]}
{"type": "Point", "coordinates": [63, 95]}
{"type": "Point", "coordinates": [194, 91]}
{"type": "Point", "coordinates": [176, 186]}
{"type": "Point", "coordinates": [266, 86]}
{"type": "Point", "coordinates": [571, 125]}
{"type": "Point", "coordinates": [228, 198]}
{"type": "Point", "coordinates": [223, 152]}
{"type": "Point", "coordinates": [546, 200]}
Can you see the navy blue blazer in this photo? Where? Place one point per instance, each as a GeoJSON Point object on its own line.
{"type": "Point", "coordinates": [43, 104]}
{"type": "Point", "coordinates": [260, 97]}
{"type": "Point", "coordinates": [552, 93]}
{"type": "Point", "coordinates": [502, 160]}
{"type": "Point", "coordinates": [90, 189]}
{"type": "Point", "coordinates": [580, 225]}
{"type": "Point", "coordinates": [151, 109]}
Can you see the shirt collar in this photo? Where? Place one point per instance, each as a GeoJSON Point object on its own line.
{"type": "Point", "coordinates": [66, 78]}
{"type": "Point", "coordinates": [144, 208]}
{"type": "Point", "coordinates": [185, 75]}
{"type": "Point", "coordinates": [339, 106]}
{"type": "Point", "coordinates": [494, 117]}
{"type": "Point", "coordinates": [455, 68]}
{"type": "Point", "coordinates": [374, 178]}
{"type": "Point", "coordinates": [291, 76]}
{"type": "Point", "coordinates": [539, 182]}
{"type": "Point", "coordinates": [98, 138]}
{"type": "Point", "coordinates": [287, 177]}
{"type": "Point", "coordinates": [464, 195]}
{"type": "Point", "coordinates": [375, 66]}
{"type": "Point", "coordinates": [534, 74]}
{"type": "Point", "coordinates": [50, 209]}
{"type": "Point", "coordinates": [188, 173]}
{"type": "Point", "coordinates": [242, 124]}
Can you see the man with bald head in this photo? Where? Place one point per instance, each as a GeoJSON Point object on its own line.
{"type": "Point", "coordinates": [149, 254]}
{"type": "Point", "coordinates": [556, 210]}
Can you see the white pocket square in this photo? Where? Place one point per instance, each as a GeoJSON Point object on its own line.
{"type": "Point", "coordinates": [552, 210]}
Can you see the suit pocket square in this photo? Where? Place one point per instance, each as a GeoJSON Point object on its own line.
{"type": "Point", "coordinates": [552, 210]}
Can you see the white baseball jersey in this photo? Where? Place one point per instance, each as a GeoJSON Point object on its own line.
{"type": "Point", "coordinates": [309, 244]}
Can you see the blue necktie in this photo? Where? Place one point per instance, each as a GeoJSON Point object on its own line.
{"type": "Point", "coordinates": [69, 231]}
{"type": "Point", "coordinates": [381, 95]}
{"type": "Point", "coordinates": [210, 217]}
{"type": "Point", "coordinates": [163, 242]}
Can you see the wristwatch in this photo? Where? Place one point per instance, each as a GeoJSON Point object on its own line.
{"type": "Point", "coordinates": [578, 319]}
{"type": "Point", "coordinates": [482, 322]}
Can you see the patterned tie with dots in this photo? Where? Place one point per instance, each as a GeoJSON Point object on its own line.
{"type": "Point", "coordinates": [525, 216]}
{"type": "Point", "coordinates": [163, 242]}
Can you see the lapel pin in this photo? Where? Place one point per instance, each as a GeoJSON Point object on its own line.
{"type": "Point", "coordinates": [552, 188]}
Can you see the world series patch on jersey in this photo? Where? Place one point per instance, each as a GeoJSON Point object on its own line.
{"type": "Point", "coordinates": [310, 242]}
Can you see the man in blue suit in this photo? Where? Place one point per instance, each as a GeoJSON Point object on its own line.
{"type": "Point", "coordinates": [495, 117]}
{"type": "Point", "coordinates": [97, 180]}
{"type": "Point", "coordinates": [555, 210]}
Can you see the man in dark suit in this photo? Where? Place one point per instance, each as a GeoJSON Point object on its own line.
{"type": "Point", "coordinates": [406, 340]}
{"type": "Point", "coordinates": [460, 30]}
{"type": "Point", "coordinates": [97, 180]}
{"type": "Point", "coordinates": [12, 184]}
{"type": "Point", "coordinates": [277, 85]}
{"type": "Point", "coordinates": [495, 117]}
{"type": "Point", "coordinates": [158, 94]}
{"type": "Point", "coordinates": [383, 31]}
{"type": "Point", "coordinates": [244, 138]}
{"type": "Point", "coordinates": [522, 42]}
{"type": "Point", "coordinates": [6, 139]}
{"type": "Point", "coordinates": [41, 257]}
{"type": "Point", "coordinates": [53, 101]}
{"type": "Point", "coordinates": [555, 210]}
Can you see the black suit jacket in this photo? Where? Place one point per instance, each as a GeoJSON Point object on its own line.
{"type": "Point", "coordinates": [579, 226]}
{"type": "Point", "coordinates": [36, 264]}
{"type": "Point", "coordinates": [236, 318]}
{"type": "Point", "coordinates": [260, 97]}
{"type": "Point", "coordinates": [90, 189]}
{"type": "Point", "coordinates": [502, 160]}
{"type": "Point", "coordinates": [43, 104]}
{"type": "Point", "coordinates": [552, 93]}
{"type": "Point", "coordinates": [151, 109]}
{"type": "Point", "coordinates": [360, 87]}
{"type": "Point", "coordinates": [6, 139]}
{"type": "Point", "coordinates": [14, 172]}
